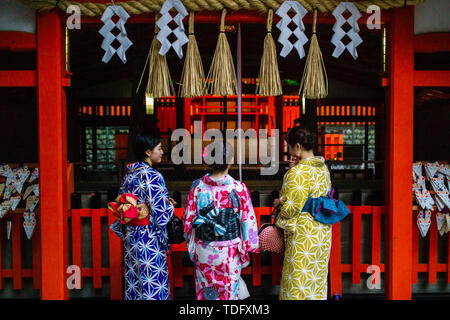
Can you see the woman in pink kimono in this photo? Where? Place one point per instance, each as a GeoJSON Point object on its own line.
{"type": "Point", "coordinates": [221, 230]}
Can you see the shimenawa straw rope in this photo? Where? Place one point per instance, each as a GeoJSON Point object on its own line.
{"type": "Point", "coordinates": [269, 75]}
{"type": "Point", "coordinates": [159, 82]}
{"type": "Point", "coordinates": [314, 81]}
{"type": "Point", "coordinates": [193, 76]}
{"type": "Point", "coordinates": [221, 79]}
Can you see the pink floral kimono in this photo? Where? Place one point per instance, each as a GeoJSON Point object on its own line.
{"type": "Point", "coordinates": [219, 264]}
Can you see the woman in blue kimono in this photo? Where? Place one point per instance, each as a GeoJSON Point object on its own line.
{"type": "Point", "coordinates": [145, 240]}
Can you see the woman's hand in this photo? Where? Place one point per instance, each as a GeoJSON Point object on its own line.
{"type": "Point", "coordinates": [293, 161]}
{"type": "Point", "coordinates": [276, 202]}
{"type": "Point", "coordinates": [173, 202]}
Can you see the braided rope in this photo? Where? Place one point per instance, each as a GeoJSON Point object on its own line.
{"type": "Point", "coordinates": [134, 7]}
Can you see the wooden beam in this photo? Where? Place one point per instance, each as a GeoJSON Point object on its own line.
{"type": "Point", "coordinates": [238, 16]}
{"type": "Point", "coordinates": [432, 42]}
{"type": "Point", "coordinates": [17, 41]}
{"type": "Point", "coordinates": [17, 78]}
{"type": "Point", "coordinates": [400, 156]}
{"type": "Point", "coordinates": [432, 78]}
{"type": "Point", "coordinates": [52, 155]}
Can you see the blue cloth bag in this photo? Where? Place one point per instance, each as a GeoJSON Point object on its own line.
{"type": "Point", "coordinates": [326, 209]}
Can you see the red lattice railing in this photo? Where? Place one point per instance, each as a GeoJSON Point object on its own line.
{"type": "Point", "coordinates": [15, 268]}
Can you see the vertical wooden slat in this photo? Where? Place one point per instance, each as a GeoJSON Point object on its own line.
{"type": "Point", "coordinates": [356, 245]}
{"type": "Point", "coordinates": [115, 263]}
{"type": "Point", "coordinates": [256, 270]}
{"type": "Point", "coordinates": [177, 257]}
{"type": "Point", "coordinates": [256, 260]}
{"type": "Point", "coordinates": [415, 250]}
{"type": "Point", "coordinates": [36, 243]}
{"type": "Point", "coordinates": [335, 260]}
{"type": "Point", "coordinates": [97, 248]}
{"type": "Point", "coordinates": [52, 130]}
{"type": "Point", "coordinates": [276, 269]}
{"type": "Point", "coordinates": [170, 270]}
{"type": "Point", "coordinates": [174, 118]}
{"type": "Point", "coordinates": [432, 250]}
{"type": "Point", "coordinates": [77, 242]}
{"type": "Point", "coordinates": [399, 157]}
{"type": "Point", "coordinates": [376, 235]}
{"type": "Point", "coordinates": [448, 258]}
{"type": "Point", "coordinates": [178, 268]}
{"type": "Point", "coordinates": [2, 227]}
{"type": "Point", "coordinates": [16, 234]}
{"type": "Point", "coordinates": [165, 118]}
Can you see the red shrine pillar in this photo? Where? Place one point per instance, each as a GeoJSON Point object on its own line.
{"type": "Point", "coordinates": [399, 156]}
{"type": "Point", "coordinates": [52, 155]}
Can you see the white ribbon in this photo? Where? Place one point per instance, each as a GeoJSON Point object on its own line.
{"type": "Point", "coordinates": [29, 223]}
{"type": "Point", "coordinates": [105, 31]}
{"type": "Point", "coordinates": [431, 168]}
{"type": "Point", "coordinates": [165, 30]}
{"type": "Point", "coordinates": [424, 199]}
{"type": "Point", "coordinates": [339, 33]}
{"type": "Point", "coordinates": [417, 169]}
{"type": "Point", "coordinates": [8, 229]}
{"type": "Point", "coordinates": [286, 32]}
{"type": "Point", "coordinates": [442, 199]}
{"type": "Point", "coordinates": [15, 201]}
{"type": "Point", "coordinates": [424, 222]}
{"type": "Point", "coordinates": [34, 175]}
{"type": "Point", "coordinates": [4, 207]}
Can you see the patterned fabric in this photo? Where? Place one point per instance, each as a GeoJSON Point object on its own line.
{"type": "Point", "coordinates": [218, 264]}
{"type": "Point", "coordinates": [146, 273]}
{"type": "Point", "coordinates": [307, 241]}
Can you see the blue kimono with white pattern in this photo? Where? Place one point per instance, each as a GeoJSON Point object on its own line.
{"type": "Point", "coordinates": [145, 247]}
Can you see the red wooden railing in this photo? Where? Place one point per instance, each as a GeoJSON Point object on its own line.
{"type": "Point", "coordinates": [355, 268]}
{"type": "Point", "coordinates": [18, 237]}
{"type": "Point", "coordinates": [98, 218]}
{"type": "Point", "coordinates": [256, 270]}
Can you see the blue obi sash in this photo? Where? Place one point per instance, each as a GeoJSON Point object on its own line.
{"type": "Point", "coordinates": [326, 209]}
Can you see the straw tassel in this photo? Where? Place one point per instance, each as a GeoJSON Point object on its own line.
{"type": "Point", "coordinates": [269, 75]}
{"type": "Point", "coordinates": [221, 79]}
{"type": "Point", "coordinates": [193, 76]}
{"type": "Point", "coordinates": [314, 81]}
{"type": "Point", "coordinates": [159, 82]}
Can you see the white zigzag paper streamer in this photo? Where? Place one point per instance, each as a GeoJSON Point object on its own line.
{"type": "Point", "coordinates": [165, 31]}
{"type": "Point", "coordinates": [286, 32]}
{"type": "Point", "coordinates": [122, 37]}
{"type": "Point", "coordinates": [339, 33]}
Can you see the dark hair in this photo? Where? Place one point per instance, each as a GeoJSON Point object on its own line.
{"type": "Point", "coordinates": [306, 139]}
{"type": "Point", "coordinates": [227, 154]}
{"type": "Point", "coordinates": [143, 143]}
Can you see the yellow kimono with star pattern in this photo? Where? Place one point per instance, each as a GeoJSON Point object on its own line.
{"type": "Point", "coordinates": [307, 241]}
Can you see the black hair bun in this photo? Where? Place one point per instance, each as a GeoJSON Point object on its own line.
{"type": "Point", "coordinates": [306, 139]}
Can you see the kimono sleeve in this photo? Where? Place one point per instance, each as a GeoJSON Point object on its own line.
{"type": "Point", "coordinates": [118, 229]}
{"type": "Point", "coordinates": [190, 212]}
{"type": "Point", "coordinates": [157, 199]}
{"type": "Point", "coordinates": [249, 227]}
{"type": "Point", "coordinates": [116, 226]}
{"type": "Point", "coordinates": [123, 186]}
{"type": "Point", "coordinates": [293, 196]}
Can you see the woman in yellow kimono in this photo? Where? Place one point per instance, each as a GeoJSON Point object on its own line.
{"type": "Point", "coordinates": [307, 241]}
